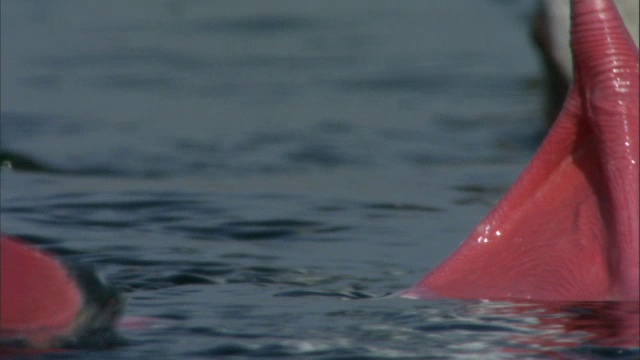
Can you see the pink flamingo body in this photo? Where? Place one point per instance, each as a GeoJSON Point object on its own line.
{"type": "Point", "coordinates": [568, 228]}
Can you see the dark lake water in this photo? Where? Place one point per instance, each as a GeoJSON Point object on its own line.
{"type": "Point", "coordinates": [258, 175]}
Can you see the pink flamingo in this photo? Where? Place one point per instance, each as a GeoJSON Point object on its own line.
{"type": "Point", "coordinates": [46, 304]}
{"type": "Point", "coordinates": [568, 228]}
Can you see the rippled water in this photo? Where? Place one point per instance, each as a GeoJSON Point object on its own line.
{"type": "Point", "coordinates": [257, 176]}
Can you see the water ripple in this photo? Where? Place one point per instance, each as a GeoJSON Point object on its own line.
{"type": "Point", "coordinates": [253, 25]}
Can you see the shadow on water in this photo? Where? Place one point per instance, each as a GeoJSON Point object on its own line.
{"type": "Point", "coordinates": [17, 161]}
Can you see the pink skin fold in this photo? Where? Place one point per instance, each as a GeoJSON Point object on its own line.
{"type": "Point", "coordinates": [40, 299]}
{"type": "Point", "coordinates": [567, 230]}
{"type": "Point", "coordinates": [46, 304]}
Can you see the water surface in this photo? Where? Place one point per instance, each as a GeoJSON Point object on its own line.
{"type": "Point", "coordinates": [259, 176]}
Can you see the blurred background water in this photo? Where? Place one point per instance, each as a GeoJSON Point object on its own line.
{"type": "Point", "coordinates": [258, 175]}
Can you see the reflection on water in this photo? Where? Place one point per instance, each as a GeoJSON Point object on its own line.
{"type": "Point", "coordinates": [257, 177]}
{"type": "Point", "coordinates": [554, 328]}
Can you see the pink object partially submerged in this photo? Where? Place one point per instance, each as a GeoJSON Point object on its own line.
{"type": "Point", "coordinates": [568, 228]}
{"type": "Point", "coordinates": [37, 291]}
{"type": "Point", "coordinates": [46, 304]}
